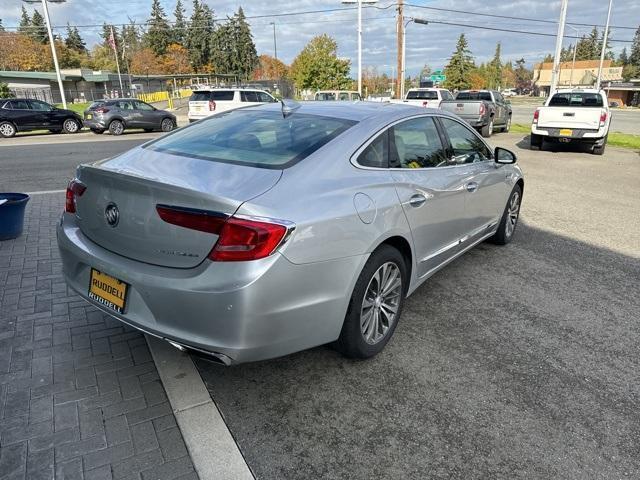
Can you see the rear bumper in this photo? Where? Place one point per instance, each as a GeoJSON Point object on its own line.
{"type": "Point", "coordinates": [577, 134]}
{"type": "Point", "coordinates": [245, 311]}
{"type": "Point", "coordinates": [95, 123]}
{"type": "Point", "coordinates": [194, 117]}
{"type": "Point", "coordinates": [474, 120]}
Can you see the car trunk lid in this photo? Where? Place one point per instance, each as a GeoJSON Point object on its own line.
{"type": "Point", "coordinates": [140, 180]}
{"type": "Point", "coordinates": [569, 117]}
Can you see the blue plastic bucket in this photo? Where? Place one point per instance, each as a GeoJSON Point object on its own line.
{"type": "Point", "coordinates": [12, 214]}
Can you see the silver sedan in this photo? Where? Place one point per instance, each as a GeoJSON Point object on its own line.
{"type": "Point", "coordinates": [267, 230]}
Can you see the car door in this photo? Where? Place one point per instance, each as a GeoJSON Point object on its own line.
{"type": "Point", "coordinates": [249, 97]}
{"type": "Point", "coordinates": [485, 184]}
{"type": "Point", "coordinates": [148, 116]}
{"type": "Point", "coordinates": [430, 190]}
{"type": "Point", "coordinates": [22, 115]}
{"type": "Point", "coordinates": [45, 115]}
{"type": "Point", "coordinates": [132, 118]}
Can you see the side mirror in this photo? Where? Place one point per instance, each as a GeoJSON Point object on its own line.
{"type": "Point", "coordinates": [504, 156]}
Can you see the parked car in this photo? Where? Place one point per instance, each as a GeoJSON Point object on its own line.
{"type": "Point", "coordinates": [509, 92]}
{"type": "Point", "coordinates": [426, 97]}
{"type": "Point", "coordinates": [484, 110]}
{"type": "Point", "coordinates": [25, 114]}
{"type": "Point", "coordinates": [120, 114]}
{"type": "Point", "coordinates": [573, 115]}
{"type": "Point", "coordinates": [267, 230]}
{"type": "Point", "coordinates": [211, 100]}
{"type": "Point", "coordinates": [337, 95]}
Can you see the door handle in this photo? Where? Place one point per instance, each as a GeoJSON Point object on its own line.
{"type": "Point", "coordinates": [472, 187]}
{"type": "Point", "coordinates": [417, 200]}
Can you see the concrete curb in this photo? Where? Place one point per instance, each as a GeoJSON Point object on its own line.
{"type": "Point", "coordinates": [213, 450]}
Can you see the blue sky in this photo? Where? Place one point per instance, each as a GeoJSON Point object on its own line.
{"type": "Point", "coordinates": [431, 44]}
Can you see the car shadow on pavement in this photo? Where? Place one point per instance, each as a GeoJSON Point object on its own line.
{"type": "Point", "coordinates": [512, 362]}
{"type": "Point", "coordinates": [525, 144]}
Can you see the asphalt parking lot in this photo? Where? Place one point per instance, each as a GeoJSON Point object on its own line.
{"type": "Point", "coordinates": [512, 362]}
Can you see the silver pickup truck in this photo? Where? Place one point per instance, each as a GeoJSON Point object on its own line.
{"type": "Point", "coordinates": [484, 110]}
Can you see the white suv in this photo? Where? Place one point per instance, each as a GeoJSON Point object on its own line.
{"type": "Point", "coordinates": [209, 101]}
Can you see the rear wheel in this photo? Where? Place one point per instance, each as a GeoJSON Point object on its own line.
{"type": "Point", "coordinates": [509, 220]}
{"type": "Point", "coordinates": [375, 306]}
{"type": "Point", "coordinates": [535, 141]}
{"type": "Point", "coordinates": [116, 127]}
{"type": "Point", "coordinates": [599, 150]}
{"type": "Point", "coordinates": [507, 126]}
{"type": "Point", "coordinates": [166, 125]}
{"type": "Point", "coordinates": [70, 125]}
{"type": "Point", "coordinates": [7, 129]}
{"type": "Point", "coordinates": [487, 130]}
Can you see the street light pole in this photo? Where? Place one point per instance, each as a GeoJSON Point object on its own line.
{"type": "Point", "coordinates": [559, 38]}
{"type": "Point", "coordinates": [575, 46]}
{"type": "Point", "coordinates": [604, 46]}
{"type": "Point", "coordinates": [275, 46]}
{"type": "Point", "coordinates": [404, 51]}
{"type": "Point", "coordinates": [53, 47]}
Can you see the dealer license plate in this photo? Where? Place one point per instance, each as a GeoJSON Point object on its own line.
{"type": "Point", "coordinates": [108, 290]}
{"type": "Point", "coordinates": [566, 132]}
{"type": "Point", "coordinates": [89, 116]}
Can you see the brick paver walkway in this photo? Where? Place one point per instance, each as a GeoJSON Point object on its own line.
{"type": "Point", "coordinates": [80, 396]}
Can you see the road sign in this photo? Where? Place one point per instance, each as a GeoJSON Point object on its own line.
{"type": "Point", "coordinates": [438, 78]}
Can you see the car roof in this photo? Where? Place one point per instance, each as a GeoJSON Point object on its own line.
{"type": "Point", "coordinates": [235, 89]}
{"type": "Point", "coordinates": [356, 111]}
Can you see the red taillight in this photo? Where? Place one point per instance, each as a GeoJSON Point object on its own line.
{"type": "Point", "coordinates": [483, 109]}
{"type": "Point", "coordinates": [212, 105]}
{"type": "Point", "coordinates": [603, 117]}
{"type": "Point", "coordinates": [101, 110]}
{"type": "Point", "coordinates": [238, 238]}
{"type": "Point", "coordinates": [243, 239]}
{"type": "Point", "coordinates": [425, 104]}
{"type": "Point", "coordinates": [75, 189]}
{"type": "Point", "coordinates": [536, 114]}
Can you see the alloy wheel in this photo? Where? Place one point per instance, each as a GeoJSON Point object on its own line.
{"type": "Point", "coordinates": [167, 125]}
{"type": "Point", "coordinates": [512, 211]}
{"type": "Point", "coordinates": [381, 302]}
{"type": "Point", "coordinates": [116, 127]}
{"type": "Point", "coordinates": [7, 130]}
{"type": "Point", "coordinates": [70, 126]}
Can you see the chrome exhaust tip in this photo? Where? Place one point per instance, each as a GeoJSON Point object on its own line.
{"type": "Point", "coordinates": [215, 357]}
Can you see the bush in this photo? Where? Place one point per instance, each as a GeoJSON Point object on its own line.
{"type": "Point", "coordinates": [4, 90]}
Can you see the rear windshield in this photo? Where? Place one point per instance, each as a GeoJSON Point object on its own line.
{"type": "Point", "coordinates": [422, 95]}
{"type": "Point", "coordinates": [576, 99]}
{"type": "Point", "coordinates": [474, 96]}
{"type": "Point", "coordinates": [254, 138]}
{"type": "Point", "coordinates": [215, 96]}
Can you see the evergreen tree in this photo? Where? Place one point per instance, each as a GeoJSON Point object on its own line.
{"type": "Point", "coordinates": [158, 35]}
{"type": "Point", "coordinates": [130, 39]}
{"type": "Point", "coordinates": [179, 27]}
{"type": "Point", "coordinates": [634, 55]}
{"type": "Point", "coordinates": [74, 40]}
{"type": "Point", "coordinates": [233, 50]}
{"type": "Point", "coordinates": [523, 76]}
{"type": "Point", "coordinates": [199, 35]}
{"type": "Point", "coordinates": [38, 30]}
{"type": "Point", "coordinates": [623, 59]}
{"type": "Point", "coordinates": [24, 26]}
{"type": "Point", "coordinates": [494, 70]}
{"type": "Point", "coordinates": [460, 66]}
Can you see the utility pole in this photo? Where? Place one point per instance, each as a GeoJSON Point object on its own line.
{"type": "Point", "coordinates": [556, 58]}
{"type": "Point", "coordinates": [400, 44]}
{"type": "Point", "coordinates": [275, 46]}
{"type": "Point", "coordinates": [604, 46]}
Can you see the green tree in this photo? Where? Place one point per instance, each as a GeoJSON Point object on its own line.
{"type": "Point", "coordinates": [24, 26]}
{"type": "Point", "coordinates": [460, 66]}
{"type": "Point", "coordinates": [178, 32]}
{"type": "Point", "coordinates": [198, 37]}
{"type": "Point", "coordinates": [38, 28]}
{"type": "Point", "coordinates": [523, 75]}
{"type": "Point", "coordinates": [494, 70]}
{"type": "Point", "coordinates": [158, 35]}
{"type": "Point", "coordinates": [4, 90]}
{"type": "Point", "coordinates": [623, 59]}
{"type": "Point", "coordinates": [74, 41]}
{"type": "Point", "coordinates": [634, 55]}
{"type": "Point", "coordinates": [232, 47]}
{"type": "Point", "coordinates": [317, 66]}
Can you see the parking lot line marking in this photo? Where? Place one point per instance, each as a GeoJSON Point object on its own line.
{"type": "Point", "coordinates": [44, 192]}
{"type": "Point", "coordinates": [212, 448]}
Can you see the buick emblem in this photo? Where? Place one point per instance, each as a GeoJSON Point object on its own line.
{"type": "Point", "coordinates": [112, 214]}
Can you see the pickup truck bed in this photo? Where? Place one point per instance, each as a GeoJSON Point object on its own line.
{"type": "Point", "coordinates": [484, 110]}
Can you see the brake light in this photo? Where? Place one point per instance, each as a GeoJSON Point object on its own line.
{"type": "Point", "coordinates": [101, 110]}
{"type": "Point", "coordinates": [239, 239]}
{"type": "Point", "coordinates": [536, 114]}
{"type": "Point", "coordinates": [483, 109]}
{"type": "Point", "coordinates": [75, 189]}
{"type": "Point", "coordinates": [425, 104]}
{"type": "Point", "coordinates": [603, 117]}
{"type": "Point", "coordinates": [212, 105]}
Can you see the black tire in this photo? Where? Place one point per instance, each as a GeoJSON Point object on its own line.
{"type": "Point", "coordinates": [97, 131]}
{"type": "Point", "coordinates": [487, 130]}
{"type": "Point", "coordinates": [167, 125]}
{"type": "Point", "coordinates": [507, 126]}
{"type": "Point", "coordinates": [116, 127]}
{"type": "Point", "coordinates": [600, 150]}
{"type": "Point", "coordinates": [351, 342]}
{"type": "Point", "coordinates": [7, 129]}
{"type": "Point", "coordinates": [71, 125]}
{"type": "Point", "coordinates": [535, 141]}
{"type": "Point", "coordinates": [504, 234]}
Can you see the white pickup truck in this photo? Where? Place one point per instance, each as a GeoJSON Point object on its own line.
{"type": "Point", "coordinates": [425, 97]}
{"type": "Point", "coordinates": [573, 115]}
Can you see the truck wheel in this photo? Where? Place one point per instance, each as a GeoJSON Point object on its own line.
{"type": "Point", "coordinates": [535, 141]}
{"type": "Point", "coordinates": [600, 150]}
{"type": "Point", "coordinates": [487, 130]}
{"type": "Point", "coordinates": [507, 126]}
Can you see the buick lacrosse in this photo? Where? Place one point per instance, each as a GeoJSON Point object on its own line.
{"type": "Point", "coordinates": [267, 230]}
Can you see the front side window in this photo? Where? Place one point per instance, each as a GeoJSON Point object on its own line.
{"type": "Point", "coordinates": [143, 106]}
{"type": "Point", "coordinates": [41, 106]}
{"type": "Point", "coordinates": [265, 97]}
{"type": "Point", "coordinates": [355, 96]}
{"type": "Point", "coordinates": [249, 97]}
{"type": "Point", "coordinates": [377, 153]}
{"type": "Point", "coordinates": [466, 145]}
{"type": "Point", "coordinates": [254, 138]}
{"type": "Point", "coordinates": [344, 96]}
{"type": "Point", "coordinates": [416, 144]}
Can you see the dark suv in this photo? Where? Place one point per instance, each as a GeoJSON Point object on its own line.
{"type": "Point", "coordinates": [118, 114]}
{"type": "Point", "coordinates": [24, 115]}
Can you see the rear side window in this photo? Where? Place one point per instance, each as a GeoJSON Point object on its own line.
{"type": "Point", "coordinates": [474, 96]}
{"type": "Point", "coordinates": [377, 153]}
{"type": "Point", "coordinates": [323, 96]}
{"type": "Point", "coordinates": [576, 99]}
{"type": "Point", "coordinates": [19, 105]}
{"type": "Point", "coordinates": [254, 138]}
{"type": "Point", "coordinates": [422, 95]}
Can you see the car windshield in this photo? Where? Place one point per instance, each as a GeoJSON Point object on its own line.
{"type": "Point", "coordinates": [474, 96]}
{"type": "Point", "coordinates": [259, 139]}
{"type": "Point", "coordinates": [422, 95]}
{"type": "Point", "coordinates": [576, 99]}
